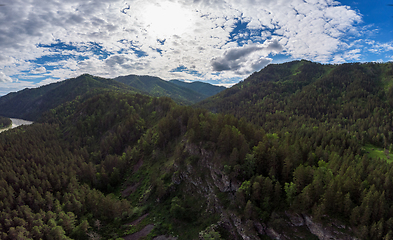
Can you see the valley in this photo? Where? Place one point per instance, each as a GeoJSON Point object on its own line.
{"type": "Point", "coordinates": [298, 150]}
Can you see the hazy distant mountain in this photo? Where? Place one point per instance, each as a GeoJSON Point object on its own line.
{"type": "Point", "coordinates": [182, 93]}
{"type": "Point", "coordinates": [200, 87]}
{"type": "Point", "coordinates": [29, 104]}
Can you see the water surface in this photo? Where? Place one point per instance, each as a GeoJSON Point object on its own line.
{"type": "Point", "coordinates": [16, 123]}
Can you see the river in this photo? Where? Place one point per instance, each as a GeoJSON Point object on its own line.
{"type": "Point", "coordinates": [16, 123]}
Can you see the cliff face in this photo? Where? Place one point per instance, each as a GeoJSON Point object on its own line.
{"type": "Point", "coordinates": [282, 225]}
{"type": "Point", "coordinates": [209, 185]}
{"type": "Point", "coordinates": [298, 225]}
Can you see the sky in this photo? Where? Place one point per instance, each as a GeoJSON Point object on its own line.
{"type": "Point", "coordinates": [215, 41]}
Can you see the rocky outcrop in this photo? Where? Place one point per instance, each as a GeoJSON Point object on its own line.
{"type": "Point", "coordinates": [328, 232]}
{"type": "Point", "coordinates": [282, 226]}
{"type": "Point", "coordinates": [301, 225]}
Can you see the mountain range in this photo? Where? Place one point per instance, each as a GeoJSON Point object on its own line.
{"type": "Point", "coordinates": [29, 104]}
{"type": "Point", "coordinates": [298, 150]}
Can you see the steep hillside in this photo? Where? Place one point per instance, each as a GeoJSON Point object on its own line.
{"type": "Point", "coordinates": [186, 172]}
{"type": "Point", "coordinates": [200, 87]}
{"type": "Point", "coordinates": [356, 97]}
{"type": "Point", "coordinates": [273, 82]}
{"type": "Point", "coordinates": [115, 165]}
{"type": "Point", "coordinates": [157, 87]}
{"type": "Point", "coordinates": [29, 104]}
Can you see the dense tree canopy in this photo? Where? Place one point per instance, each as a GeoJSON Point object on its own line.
{"type": "Point", "coordinates": [293, 138]}
{"type": "Point", "coordinates": [5, 122]}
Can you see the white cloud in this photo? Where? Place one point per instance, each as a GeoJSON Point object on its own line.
{"type": "Point", "coordinates": [6, 87]}
{"type": "Point", "coordinates": [227, 85]}
{"type": "Point", "coordinates": [245, 60]}
{"type": "Point", "coordinates": [4, 78]}
{"type": "Point", "coordinates": [38, 70]}
{"type": "Point", "coordinates": [377, 47]}
{"type": "Point", "coordinates": [119, 37]}
{"type": "Point", "coordinates": [48, 81]}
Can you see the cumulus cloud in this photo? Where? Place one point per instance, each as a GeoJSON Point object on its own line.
{"type": "Point", "coordinates": [4, 78]}
{"type": "Point", "coordinates": [243, 60]}
{"type": "Point", "coordinates": [377, 47]}
{"type": "Point", "coordinates": [118, 37]}
{"type": "Point", "coordinates": [38, 70]}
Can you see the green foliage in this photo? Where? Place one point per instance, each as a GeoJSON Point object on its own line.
{"type": "Point", "coordinates": [376, 152]}
{"type": "Point", "coordinates": [210, 233]}
{"type": "Point", "coordinates": [5, 122]}
{"type": "Point", "coordinates": [290, 191]}
{"type": "Point", "coordinates": [200, 87]}
{"type": "Point", "coordinates": [181, 93]}
{"type": "Point", "coordinates": [176, 209]}
{"type": "Point", "coordinates": [304, 151]}
{"type": "Point", "coordinates": [30, 104]}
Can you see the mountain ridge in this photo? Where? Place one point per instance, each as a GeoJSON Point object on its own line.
{"type": "Point", "coordinates": [30, 103]}
{"type": "Point", "coordinates": [299, 150]}
{"type": "Point", "coordinates": [286, 87]}
{"type": "Point", "coordinates": [200, 87]}
{"type": "Point", "coordinates": [155, 86]}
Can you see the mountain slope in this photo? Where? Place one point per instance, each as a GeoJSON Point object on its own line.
{"type": "Point", "coordinates": [155, 86]}
{"type": "Point", "coordinates": [301, 91]}
{"type": "Point", "coordinates": [29, 104]}
{"type": "Point", "coordinates": [200, 87]}
{"type": "Point", "coordinates": [273, 81]}
{"type": "Point", "coordinates": [189, 173]}
{"type": "Point", "coordinates": [113, 164]}
{"type": "Point", "coordinates": [191, 170]}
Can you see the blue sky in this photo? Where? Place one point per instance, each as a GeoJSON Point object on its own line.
{"type": "Point", "coordinates": [216, 41]}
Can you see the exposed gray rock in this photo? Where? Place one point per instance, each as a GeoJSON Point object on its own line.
{"type": "Point", "coordinates": [296, 219]}
{"type": "Point", "coordinates": [291, 225]}
{"type": "Point", "coordinates": [325, 232]}
{"type": "Point", "coordinates": [260, 227]}
{"type": "Point", "coordinates": [273, 234]}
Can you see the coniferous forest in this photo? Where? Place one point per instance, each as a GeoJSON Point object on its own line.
{"type": "Point", "coordinates": [299, 150]}
{"type": "Point", "coordinates": [5, 122]}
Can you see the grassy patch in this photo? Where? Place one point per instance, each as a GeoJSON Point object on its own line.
{"type": "Point", "coordinates": [376, 152]}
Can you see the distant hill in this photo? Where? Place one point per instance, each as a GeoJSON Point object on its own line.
{"type": "Point", "coordinates": [200, 87]}
{"type": "Point", "coordinates": [29, 104]}
{"type": "Point", "coordinates": [182, 93]}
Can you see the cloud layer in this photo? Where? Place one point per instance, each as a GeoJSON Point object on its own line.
{"type": "Point", "coordinates": [247, 59]}
{"type": "Point", "coordinates": [218, 40]}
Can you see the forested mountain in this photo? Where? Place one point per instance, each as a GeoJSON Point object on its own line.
{"type": "Point", "coordinates": [205, 89]}
{"type": "Point", "coordinates": [181, 93]}
{"type": "Point", "coordinates": [29, 104]}
{"type": "Point", "coordinates": [301, 164]}
{"type": "Point", "coordinates": [356, 97]}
